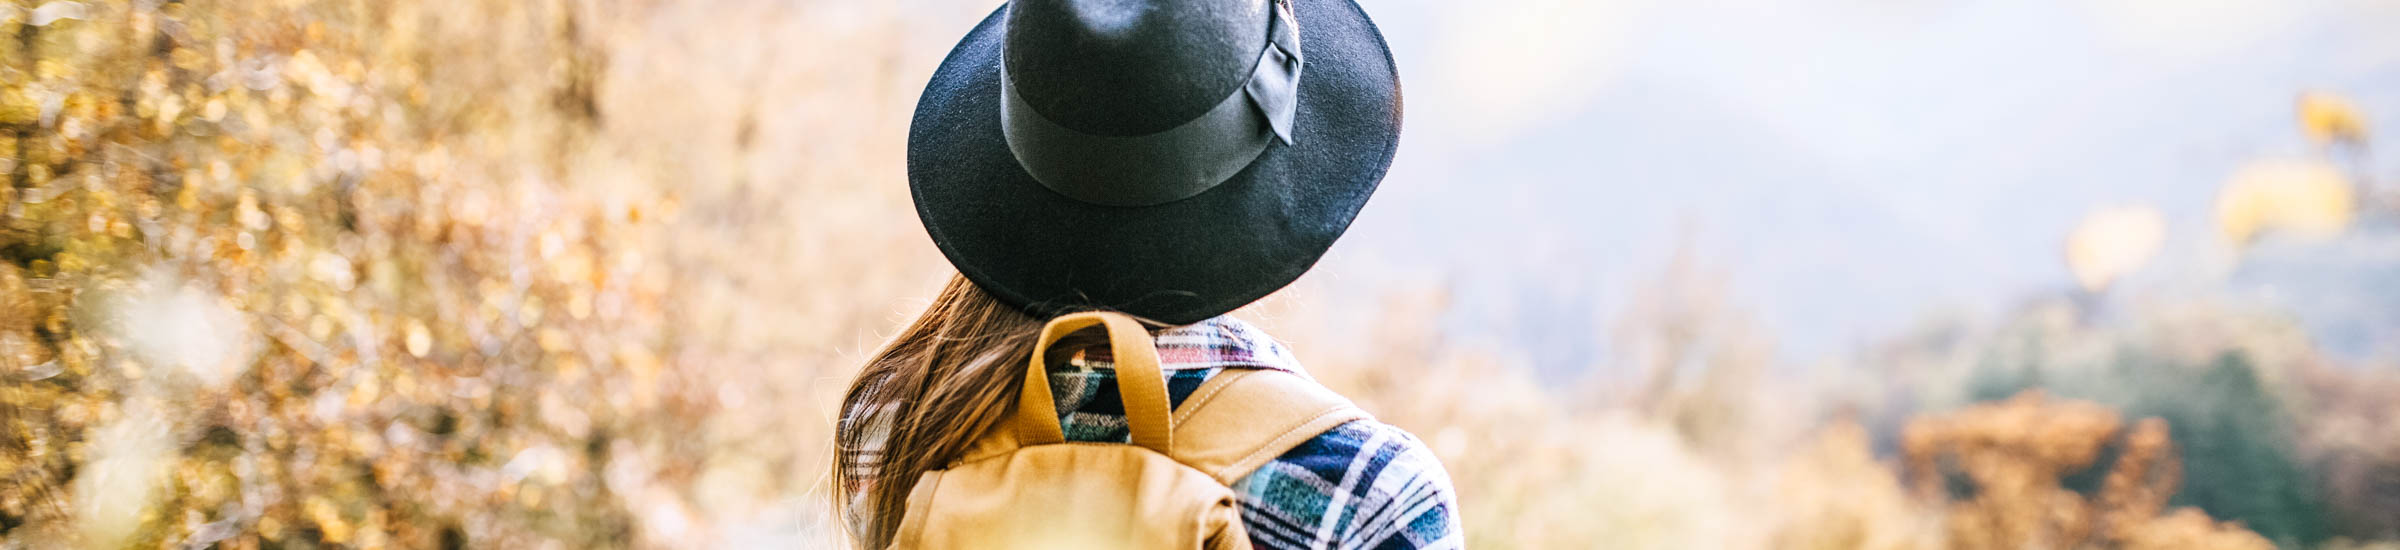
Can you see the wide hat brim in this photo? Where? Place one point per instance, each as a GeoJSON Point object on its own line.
{"type": "Point", "coordinates": [1179, 262]}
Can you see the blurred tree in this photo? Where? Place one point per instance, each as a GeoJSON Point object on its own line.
{"type": "Point", "coordinates": [1700, 359]}
{"type": "Point", "coordinates": [2239, 447]}
{"type": "Point", "coordinates": [303, 178]}
{"type": "Point", "coordinates": [1836, 496]}
{"type": "Point", "coordinates": [2013, 455]}
{"type": "Point", "coordinates": [2351, 438]}
{"type": "Point", "coordinates": [2241, 462]}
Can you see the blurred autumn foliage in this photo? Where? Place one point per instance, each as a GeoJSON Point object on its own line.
{"type": "Point", "coordinates": [267, 280]}
{"type": "Point", "coordinates": [2014, 455]}
{"type": "Point", "coordinates": [581, 273]}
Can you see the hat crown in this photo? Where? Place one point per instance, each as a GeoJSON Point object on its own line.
{"type": "Point", "coordinates": [1131, 67]}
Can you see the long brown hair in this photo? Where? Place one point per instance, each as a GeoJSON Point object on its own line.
{"type": "Point", "coordinates": [921, 400]}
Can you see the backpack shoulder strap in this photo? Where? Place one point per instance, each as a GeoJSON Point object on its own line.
{"type": "Point", "coordinates": [1141, 388]}
{"type": "Point", "coordinates": [1242, 418]}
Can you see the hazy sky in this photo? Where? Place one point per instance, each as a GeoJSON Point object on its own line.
{"type": "Point", "coordinates": [1855, 164]}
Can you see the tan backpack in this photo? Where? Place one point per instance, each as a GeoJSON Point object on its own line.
{"type": "Point", "coordinates": [1025, 486]}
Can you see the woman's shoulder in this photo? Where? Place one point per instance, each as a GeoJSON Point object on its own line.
{"type": "Point", "coordinates": [1364, 443]}
{"type": "Point", "coordinates": [1361, 484]}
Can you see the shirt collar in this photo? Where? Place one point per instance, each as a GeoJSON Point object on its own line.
{"type": "Point", "coordinates": [1222, 341]}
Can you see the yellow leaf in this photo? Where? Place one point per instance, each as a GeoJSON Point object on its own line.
{"type": "Point", "coordinates": [2329, 118]}
{"type": "Point", "coordinates": [2307, 198]}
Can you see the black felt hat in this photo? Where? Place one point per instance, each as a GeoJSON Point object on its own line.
{"type": "Point", "coordinates": [1172, 159]}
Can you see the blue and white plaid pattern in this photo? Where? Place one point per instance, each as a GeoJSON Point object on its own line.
{"type": "Point", "coordinates": [1364, 484]}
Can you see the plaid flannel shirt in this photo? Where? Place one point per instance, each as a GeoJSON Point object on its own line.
{"type": "Point", "coordinates": [1363, 484]}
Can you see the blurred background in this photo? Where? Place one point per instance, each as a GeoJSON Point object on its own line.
{"type": "Point", "coordinates": [1647, 274]}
